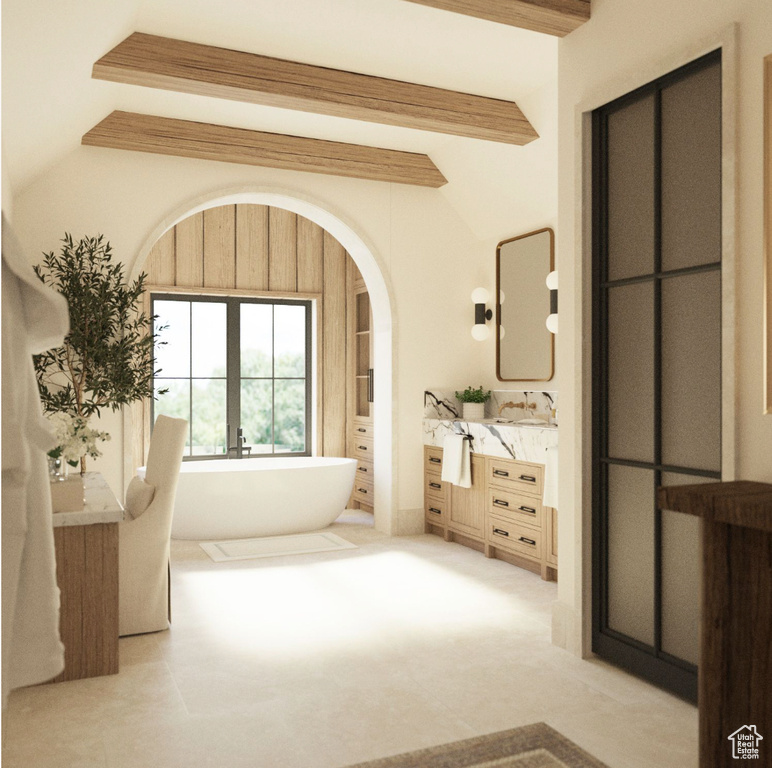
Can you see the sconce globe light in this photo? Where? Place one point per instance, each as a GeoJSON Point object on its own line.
{"type": "Point", "coordinates": [480, 296]}
{"type": "Point", "coordinates": [552, 284]}
{"type": "Point", "coordinates": [480, 331]}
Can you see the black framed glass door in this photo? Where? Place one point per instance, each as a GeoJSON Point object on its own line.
{"type": "Point", "coordinates": [656, 363]}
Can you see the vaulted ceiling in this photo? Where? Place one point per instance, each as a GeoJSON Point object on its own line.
{"type": "Point", "coordinates": [50, 99]}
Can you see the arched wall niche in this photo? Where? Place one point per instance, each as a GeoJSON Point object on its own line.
{"type": "Point", "coordinates": [381, 297]}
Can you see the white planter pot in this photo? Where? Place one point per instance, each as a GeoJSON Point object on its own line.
{"type": "Point", "coordinates": [474, 411]}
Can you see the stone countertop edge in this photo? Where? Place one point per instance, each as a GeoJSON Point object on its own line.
{"type": "Point", "coordinates": [507, 441]}
{"type": "Point", "coordinates": [101, 505]}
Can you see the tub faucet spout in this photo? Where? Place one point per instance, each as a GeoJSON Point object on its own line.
{"type": "Point", "coordinates": [239, 448]}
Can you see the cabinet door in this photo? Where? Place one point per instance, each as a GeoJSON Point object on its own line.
{"type": "Point", "coordinates": [551, 543]}
{"type": "Point", "coordinates": [467, 505]}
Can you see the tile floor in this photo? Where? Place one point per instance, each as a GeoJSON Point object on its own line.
{"type": "Point", "coordinates": [317, 661]}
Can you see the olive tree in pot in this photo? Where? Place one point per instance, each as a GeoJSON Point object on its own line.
{"type": "Point", "coordinates": [106, 360]}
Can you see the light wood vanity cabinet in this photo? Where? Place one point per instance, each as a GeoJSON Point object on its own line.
{"type": "Point", "coordinates": [501, 514]}
{"type": "Point", "coordinates": [467, 505]}
{"type": "Point", "coordinates": [359, 432]}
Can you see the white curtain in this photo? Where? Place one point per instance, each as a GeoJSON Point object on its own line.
{"type": "Point", "coordinates": [35, 318]}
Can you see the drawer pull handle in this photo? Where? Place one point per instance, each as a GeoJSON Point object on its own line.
{"type": "Point", "coordinates": [362, 469]}
{"type": "Point", "coordinates": [500, 473]}
{"type": "Point", "coordinates": [362, 490]}
{"type": "Point", "coordinates": [361, 429]}
{"type": "Point", "coordinates": [501, 532]}
{"type": "Point", "coordinates": [435, 460]}
{"type": "Point", "coordinates": [528, 509]}
{"type": "Point", "coordinates": [528, 478]}
{"type": "Point", "coordinates": [527, 541]}
{"type": "Point", "coordinates": [362, 447]}
{"type": "Point", "coordinates": [435, 510]}
{"type": "Point", "coordinates": [501, 503]}
{"type": "Point", "coordinates": [435, 485]}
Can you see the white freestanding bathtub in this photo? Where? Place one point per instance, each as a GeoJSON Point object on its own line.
{"type": "Point", "coordinates": [246, 498]}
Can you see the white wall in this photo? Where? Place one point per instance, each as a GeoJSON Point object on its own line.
{"type": "Point", "coordinates": [626, 44]}
{"type": "Point", "coordinates": [426, 251]}
{"type": "Point", "coordinates": [7, 190]}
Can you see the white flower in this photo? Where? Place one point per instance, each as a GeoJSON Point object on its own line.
{"type": "Point", "coordinates": [74, 437]}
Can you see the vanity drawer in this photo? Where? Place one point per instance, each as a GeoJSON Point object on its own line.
{"type": "Point", "coordinates": [362, 448]}
{"type": "Point", "coordinates": [432, 459]}
{"type": "Point", "coordinates": [436, 510]}
{"type": "Point", "coordinates": [519, 508]}
{"type": "Point", "coordinates": [514, 537]}
{"type": "Point", "coordinates": [361, 429]}
{"type": "Point", "coordinates": [363, 492]}
{"type": "Point", "coordinates": [516, 476]}
{"type": "Point", "coordinates": [433, 486]}
{"type": "Point", "coordinates": [364, 473]}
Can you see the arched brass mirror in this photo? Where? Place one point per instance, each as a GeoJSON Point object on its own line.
{"type": "Point", "coordinates": [524, 346]}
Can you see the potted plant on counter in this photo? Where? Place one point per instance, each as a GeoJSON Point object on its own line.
{"type": "Point", "coordinates": [474, 402]}
{"type": "Point", "coordinates": [106, 360]}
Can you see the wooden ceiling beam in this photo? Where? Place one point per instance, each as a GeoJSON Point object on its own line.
{"type": "Point", "coordinates": [552, 17]}
{"type": "Point", "coordinates": [176, 65]}
{"type": "Point", "coordinates": [183, 138]}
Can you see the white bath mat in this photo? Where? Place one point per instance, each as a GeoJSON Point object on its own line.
{"type": "Point", "coordinates": [274, 546]}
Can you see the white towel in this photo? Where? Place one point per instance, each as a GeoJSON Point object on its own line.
{"type": "Point", "coordinates": [35, 318]}
{"type": "Point", "coordinates": [456, 464]}
{"type": "Point", "coordinates": [550, 498]}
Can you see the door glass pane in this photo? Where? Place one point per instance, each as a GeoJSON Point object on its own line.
{"type": "Point", "coordinates": [631, 372]}
{"type": "Point", "coordinates": [691, 371]}
{"type": "Point", "coordinates": [256, 414]}
{"type": "Point", "coordinates": [289, 333]}
{"type": "Point", "coordinates": [631, 552]}
{"type": "Point", "coordinates": [209, 326]}
{"type": "Point", "coordinates": [290, 423]}
{"type": "Point", "coordinates": [691, 170]}
{"type": "Point", "coordinates": [208, 417]}
{"type": "Point", "coordinates": [172, 356]}
{"type": "Point", "coordinates": [631, 189]}
{"type": "Point", "coordinates": [256, 340]}
{"type": "Point", "coordinates": [174, 403]}
{"type": "Point", "coordinates": [681, 577]}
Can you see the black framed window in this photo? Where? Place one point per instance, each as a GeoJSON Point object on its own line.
{"type": "Point", "coordinates": [231, 362]}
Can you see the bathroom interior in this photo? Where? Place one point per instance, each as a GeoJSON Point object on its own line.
{"type": "Point", "coordinates": [427, 378]}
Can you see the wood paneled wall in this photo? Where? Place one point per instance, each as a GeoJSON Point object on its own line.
{"type": "Point", "coordinates": [261, 249]}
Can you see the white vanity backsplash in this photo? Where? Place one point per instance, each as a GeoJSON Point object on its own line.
{"type": "Point", "coordinates": [504, 403]}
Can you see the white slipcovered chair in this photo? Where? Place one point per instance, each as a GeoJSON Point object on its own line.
{"type": "Point", "coordinates": [143, 569]}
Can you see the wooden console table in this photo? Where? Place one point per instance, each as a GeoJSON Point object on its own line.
{"type": "Point", "coordinates": [735, 670]}
{"type": "Point", "coordinates": [87, 573]}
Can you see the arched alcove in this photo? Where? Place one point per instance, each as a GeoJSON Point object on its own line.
{"type": "Point", "coordinates": [367, 261]}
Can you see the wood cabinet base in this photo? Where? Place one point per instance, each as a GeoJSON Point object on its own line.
{"type": "Point", "coordinates": [87, 574]}
{"type": "Point", "coordinates": [501, 515]}
{"type": "Point", "coordinates": [735, 677]}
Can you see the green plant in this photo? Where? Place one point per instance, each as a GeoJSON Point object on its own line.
{"type": "Point", "coordinates": [106, 360]}
{"type": "Point", "coordinates": [470, 395]}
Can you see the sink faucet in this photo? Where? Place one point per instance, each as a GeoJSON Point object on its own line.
{"type": "Point", "coordinates": [239, 447]}
{"type": "Point", "coordinates": [526, 406]}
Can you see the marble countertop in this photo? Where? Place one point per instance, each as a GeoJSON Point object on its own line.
{"type": "Point", "coordinates": [520, 442]}
{"type": "Point", "coordinates": [101, 505]}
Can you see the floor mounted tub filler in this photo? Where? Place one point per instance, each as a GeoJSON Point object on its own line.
{"type": "Point", "coordinates": [247, 498]}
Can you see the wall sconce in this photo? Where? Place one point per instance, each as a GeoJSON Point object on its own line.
{"type": "Point", "coordinates": [480, 330]}
{"type": "Point", "coordinates": [552, 284]}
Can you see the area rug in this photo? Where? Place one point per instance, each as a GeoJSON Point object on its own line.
{"type": "Point", "coordinates": [274, 546]}
{"type": "Point", "coordinates": [532, 746]}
